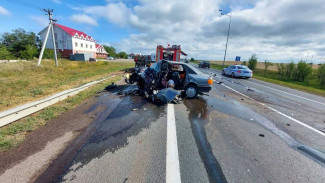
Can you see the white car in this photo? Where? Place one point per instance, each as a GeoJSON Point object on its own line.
{"type": "Point", "coordinates": [237, 71]}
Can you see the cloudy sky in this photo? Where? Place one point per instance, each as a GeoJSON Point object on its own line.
{"type": "Point", "coordinates": [276, 30]}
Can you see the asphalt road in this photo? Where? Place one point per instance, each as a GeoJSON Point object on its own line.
{"type": "Point", "coordinates": [244, 131]}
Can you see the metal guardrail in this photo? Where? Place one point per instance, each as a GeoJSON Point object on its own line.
{"type": "Point", "coordinates": [11, 115]}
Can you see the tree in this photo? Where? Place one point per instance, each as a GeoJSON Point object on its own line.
{"type": "Point", "coordinates": [192, 60]}
{"type": "Point", "coordinates": [302, 71]}
{"type": "Point", "coordinates": [4, 53]}
{"type": "Point", "coordinates": [266, 65]}
{"type": "Point", "coordinates": [110, 50]}
{"type": "Point", "coordinates": [123, 55]}
{"type": "Point", "coordinates": [252, 62]}
{"type": "Point", "coordinates": [18, 41]}
{"type": "Point", "coordinates": [29, 52]}
{"type": "Point", "coordinates": [281, 70]}
{"type": "Point", "coordinates": [321, 74]}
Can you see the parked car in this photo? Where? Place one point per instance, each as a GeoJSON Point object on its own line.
{"type": "Point", "coordinates": [204, 64]}
{"type": "Point", "coordinates": [186, 78]}
{"type": "Point", "coordinates": [110, 58]}
{"type": "Point", "coordinates": [237, 71]}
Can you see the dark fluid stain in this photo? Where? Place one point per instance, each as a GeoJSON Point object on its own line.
{"type": "Point", "coordinates": [111, 131]}
{"type": "Point", "coordinates": [198, 116]}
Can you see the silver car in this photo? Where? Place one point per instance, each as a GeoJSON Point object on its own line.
{"type": "Point", "coordinates": [237, 71]}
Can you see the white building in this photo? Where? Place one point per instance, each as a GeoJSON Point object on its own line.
{"type": "Point", "coordinates": [100, 51]}
{"type": "Point", "coordinates": [69, 41]}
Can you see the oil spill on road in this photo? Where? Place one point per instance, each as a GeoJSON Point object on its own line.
{"type": "Point", "coordinates": [198, 116]}
{"type": "Point", "coordinates": [108, 132]}
{"type": "Point", "coordinates": [113, 127]}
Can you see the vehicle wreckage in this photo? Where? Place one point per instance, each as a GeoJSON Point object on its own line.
{"type": "Point", "coordinates": [168, 80]}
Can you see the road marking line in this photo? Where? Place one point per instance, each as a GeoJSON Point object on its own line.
{"type": "Point", "coordinates": [288, 93]}
{"type": "Point", "coordinates": [172, 162]}
{"type": "Point", "coordinates": [289, 117]}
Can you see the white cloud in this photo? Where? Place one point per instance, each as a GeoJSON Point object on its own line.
{"type": "Point", "coordinates": [4, 11]}
{"type": "Point", "coordinates": [83, 19]}
{"type": "Point", "coordinates": [277, 30]}
{"type": "Point", "coordinates": [116, 13]}
{"type": "Point", "coordinates": [40, 20]}
{"type": "Point", "coordinates": [57, 1]}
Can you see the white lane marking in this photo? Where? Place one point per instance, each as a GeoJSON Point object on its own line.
{"type": "Point", "coordinates": [289, 117]}
{"type": "Point", "coordinates": [172, 162]}
{"type": "Point", "coordinates": [288, 93]}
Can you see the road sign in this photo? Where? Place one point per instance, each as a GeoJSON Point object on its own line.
{"type": "Point", "coordinates": [237, 58]}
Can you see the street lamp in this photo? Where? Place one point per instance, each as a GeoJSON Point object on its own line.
{"type": "Point", "coordinates": [229, 15]}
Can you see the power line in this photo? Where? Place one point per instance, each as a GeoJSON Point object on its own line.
{"type": "Point", "coordinates": [25, 4]}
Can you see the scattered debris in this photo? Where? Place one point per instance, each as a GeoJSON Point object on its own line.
{"type": "Point", "coordinates": [145, 109]}
{"type": "Point", "coordinates": [135, 109]}
{"type": "Point", "coordinates": [252, 119]}
{"type": "Point", "coordinates": [242, 99]}
{"type": "Point", "coordinates": [291, 114]}
{"type": "Point", "coordinates": [261, 135]}
{"type": "Point", "coordinates": [220, 82]}
{"type": "Point", "coordinates": [288, 124]}
{"type": "Point", "coordinates": [250, 90]}
{"type": "Point", "coordinates": [109, 87]}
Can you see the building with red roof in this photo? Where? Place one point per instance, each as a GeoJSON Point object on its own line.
{"type": "Point", "coordinates": [70, 41]}
{"type": "Point", "coordinates": [100, 51]}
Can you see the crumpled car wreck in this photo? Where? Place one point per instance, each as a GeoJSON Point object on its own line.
{"type": "Point", "coordinates": [167, 80]}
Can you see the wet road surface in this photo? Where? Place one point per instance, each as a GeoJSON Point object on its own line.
{"type": "Point", "coordinates": [232, 135]}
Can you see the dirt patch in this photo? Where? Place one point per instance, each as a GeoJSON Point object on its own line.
{"type": "Point", "coordinates": [71, 121]}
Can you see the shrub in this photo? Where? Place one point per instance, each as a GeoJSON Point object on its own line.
{"type": "Point", "coordinates": [29, 52]}
{"type": "Point", "coordinates": [321, 74]}
{"type": "Point", "coordinates": [252, 62]}
{"type": "Point", "coordinates": [302, 71]}
{"type": "Point", "coordinates": [289, 70]}
{"type": "Point", "coordinates": [192, 60]}
{"type": "Point", "coordinates": [244, 63]}
{"type": "Point", "coordinates": [281, 70]}
{"type": "Point", "coordinates": [4, 53]}
{"type": "Point", "coordinates": [266, 65]}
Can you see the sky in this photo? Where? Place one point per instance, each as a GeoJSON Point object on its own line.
{"type": "Point", "coordinates": [274, 30]}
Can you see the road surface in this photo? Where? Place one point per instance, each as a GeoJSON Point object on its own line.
{"type": "Point", "coordinates": [245, 131]}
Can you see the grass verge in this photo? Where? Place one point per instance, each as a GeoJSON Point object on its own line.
{"type": "Point", "coordinates": [22, 82]}
{"type": "Point", "coordinates": [13, 134]}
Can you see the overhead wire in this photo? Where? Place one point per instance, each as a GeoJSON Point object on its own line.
{"type": "Point", "coordinates": [25, 4]}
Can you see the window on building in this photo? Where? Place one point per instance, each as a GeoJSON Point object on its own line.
{"type": "Point", "coordinates": [86, 45]}
{"type": "Point", "coordinates": [82, 45]}
{"type": "Point", "coordinates": [91, 47]}
{"type": "Point", "coordinates": [76, 44]}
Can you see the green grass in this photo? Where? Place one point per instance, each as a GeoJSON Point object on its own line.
{"type": "Point", "coordinates": [311, 85]}
{"type": "Point", "coordinates": [22, 82]}
{"type": "Point", "coordinates": [14, 133]}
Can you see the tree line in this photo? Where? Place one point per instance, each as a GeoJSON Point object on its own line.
{"type": "Point", "coordinates": [27, 45]}
{"type": "Point", "coordinates": [295, 72]}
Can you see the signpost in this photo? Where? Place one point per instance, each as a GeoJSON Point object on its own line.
{"type": "Point", "coordinates": [237, 59]}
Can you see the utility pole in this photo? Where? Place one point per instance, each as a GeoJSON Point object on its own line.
{"type": "Point", "coordinates": [50, 27]}
{"type": "Point", "coordinates": [197, 49]}
{"type": "Point", "coordinates": [227, 14]}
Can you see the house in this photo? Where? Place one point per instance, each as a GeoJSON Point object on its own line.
{"type": "Point", "coordinates": [100, 51]}
{"type": "Point", "coordinates": [69, 41]}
